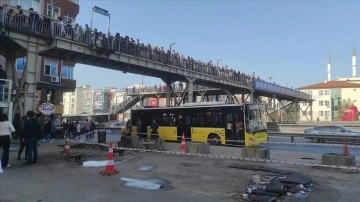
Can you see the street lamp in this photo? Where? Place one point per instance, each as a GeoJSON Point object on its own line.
{"type": "Point", "coordinates": [170, 46]}
{"type": "Point", "coordinates": [217, 62]}
{"type": "Point", "coordinates": [169, 56]}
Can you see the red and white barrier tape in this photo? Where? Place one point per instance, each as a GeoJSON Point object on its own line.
{"type": "Point", "coordinates": [320, 144]}
{"type": "Point", "coordinates": [216, 156]}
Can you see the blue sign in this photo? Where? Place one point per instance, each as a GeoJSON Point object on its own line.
{"type": "Point", "coordinates": [274, 88]}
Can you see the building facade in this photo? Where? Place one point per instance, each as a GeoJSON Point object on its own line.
{"type": "Point", "coordinates": [330, 97]}
{"type": "Point", "coordinates": [54, 76]}
{"type": "Point", "coordinates": [81, 101]}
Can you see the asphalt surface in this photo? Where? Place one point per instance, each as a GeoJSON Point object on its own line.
{"type": "Point", "coordinates": [183, 178]}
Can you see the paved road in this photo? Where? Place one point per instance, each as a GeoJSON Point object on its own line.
{"type": "Point", "coordinates": [184, 178]}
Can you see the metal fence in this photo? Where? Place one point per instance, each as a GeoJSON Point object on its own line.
{"type": "Point", "coordinates": [29, 21]}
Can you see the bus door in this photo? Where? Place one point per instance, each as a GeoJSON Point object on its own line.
{"type": "Point", "coordinates": [183, 126]}
{"type": "Point", "coordinates": [239, 129]}
{"type": "Point", "coordinates": [230, 132]}
{"type": "Point", "coordinates": [180, 124]}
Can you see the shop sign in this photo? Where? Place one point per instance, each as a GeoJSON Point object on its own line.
{"type": "Point", "coordinates": [46, 108]}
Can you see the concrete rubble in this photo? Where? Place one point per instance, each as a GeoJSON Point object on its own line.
{"type": "Point", "coordinates": [282, 186]}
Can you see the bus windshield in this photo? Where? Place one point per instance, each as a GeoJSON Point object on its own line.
{"type": "Point", "coordinates": [255, 116]}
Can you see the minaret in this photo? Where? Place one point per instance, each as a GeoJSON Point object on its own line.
{"type": "Point", "coordinates": [353, 63]}
{"type": "Point", "coordinates": [329, 69]}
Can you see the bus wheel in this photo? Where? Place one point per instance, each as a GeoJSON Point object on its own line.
{"type": "Point", "coordinates": [214, 139]}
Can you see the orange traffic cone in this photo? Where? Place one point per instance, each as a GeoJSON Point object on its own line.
{"type": "Point", "coordinates": [345, 149]}
{"type": "Point", "coordinates": [66, 147]}
{"type": "Point", "coordinates": [182, 145]}
{"type": "Point", "coordinates": [110, 165]}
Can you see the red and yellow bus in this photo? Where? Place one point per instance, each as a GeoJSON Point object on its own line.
{"type": "Point", "coordinates": [216, 123]}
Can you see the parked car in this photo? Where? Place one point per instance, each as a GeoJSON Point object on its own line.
{"type": "Point", "coordinates": [117, 126]}
{"type": "Point", "coordinates": [332, 130]}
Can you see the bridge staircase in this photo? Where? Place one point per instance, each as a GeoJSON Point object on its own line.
{"type": "Point", "coordinates": [129, 102]}
{"type": "Point", "coordinates": [273, 127]}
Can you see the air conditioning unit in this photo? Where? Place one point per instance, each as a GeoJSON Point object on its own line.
{"type": "Point", "coordinates": [55, 79]}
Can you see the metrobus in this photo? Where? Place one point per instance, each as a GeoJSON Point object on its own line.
{"type": "Point", "coordinates": [216, 123]}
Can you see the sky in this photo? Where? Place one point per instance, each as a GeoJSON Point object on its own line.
{"type": "Point", "coordinates": [288, 41]}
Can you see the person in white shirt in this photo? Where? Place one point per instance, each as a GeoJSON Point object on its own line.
{"type": "Point", "coordinates": [6, 128]}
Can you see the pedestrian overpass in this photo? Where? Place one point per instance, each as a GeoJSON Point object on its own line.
{"type": "Point", "coordinates": [50, 40]}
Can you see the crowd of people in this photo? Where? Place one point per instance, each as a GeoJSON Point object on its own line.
{"type": "Point", "coordinates": [30, 131]}
{"type": "Point", "coordinates": [28, 20]}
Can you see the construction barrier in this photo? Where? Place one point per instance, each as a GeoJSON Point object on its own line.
{"type": "Point", "coordinates": [215, 156]}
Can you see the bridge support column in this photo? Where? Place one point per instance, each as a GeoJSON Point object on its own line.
{"type": "Point", "coordinates": [251, 96]}
{"type": "Point", "coordinates": [168, 89]}
{"type": "Point", "coordinates": [30, 76]}
{"type": "Point", "coordinates": [190, 89]}
{"type": "Point", "coordinates": [296, 110]}
{"type": "Point", "coordinates": [274, 106]}
{"type": "Point", "coordinates": [311, 111]}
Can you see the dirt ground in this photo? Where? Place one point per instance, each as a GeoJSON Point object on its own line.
{"type": "Point", "coordinates": [183, 178]}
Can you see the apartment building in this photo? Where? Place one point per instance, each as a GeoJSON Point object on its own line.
{"type": "Point", "coordinates": [55, 76]}
{"type": "Point", "coordinates": [330, 96]}
{"type": "Point", "coordinates": [81, 101]}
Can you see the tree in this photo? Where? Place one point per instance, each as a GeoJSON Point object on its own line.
{"type": "Point", "coordinates": [344, 105]}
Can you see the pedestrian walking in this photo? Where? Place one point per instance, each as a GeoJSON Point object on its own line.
{"type": "Point", "coordinates": [128, 127]}
{"type": "Point", "coordinates": [21, 135]}
{"type": "Point", "coordinates": [92, 129]}
{"type": "Point", "coordinates": [6, 128]}
{"type": "Point", "coordinates": [50, 128]}
{"type": "Point", "coordinates": [87, 129]}
{"type": "Point", "coordinates": [32, 130]}
{"type": "Point", "coordinates": [78, 129]}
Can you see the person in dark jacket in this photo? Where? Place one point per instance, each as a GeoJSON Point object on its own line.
{"type": "Point", "coordinates": [21, 134]}
{"type": "Point", "coordinates": [32, 130]}
{"type": "Point", "coordinates": [154, 127]}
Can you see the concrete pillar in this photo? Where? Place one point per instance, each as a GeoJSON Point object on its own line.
{"type": "Point", "coordinates": [279, 111]}
{"type": "Point", "coordinates": [296, 109]}
{"type": "Point", "coordinates": [252, 96]}
{"type": "Point", "coordinates": [274, 105]}
{"type": "Point", "coordinates": [190, 89]}
{"type": "Point", "coordinates": [141, 100]}
{"type": "Point", "coordinates": [30, 77]}
{"type": "Point", "coordinates": [168, 90]}
{"type": "Point", "coordinates": [311, 111]}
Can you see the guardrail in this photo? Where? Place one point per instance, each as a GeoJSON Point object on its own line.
{"type": "Point", "coordinates": [352, 124]}
{"type": "Point", "coordinates": [353, 138]}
